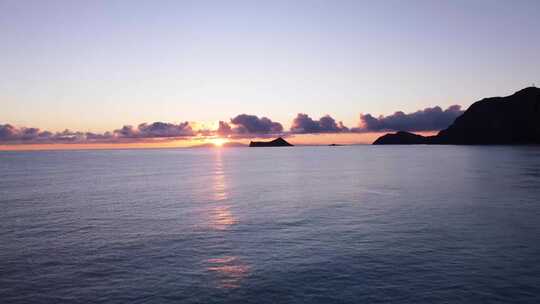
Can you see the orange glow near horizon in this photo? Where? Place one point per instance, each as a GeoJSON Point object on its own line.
{"type": "Point", "coordinates": [296, 139]}
{"type": "Point", "coordinates": [218, 142]}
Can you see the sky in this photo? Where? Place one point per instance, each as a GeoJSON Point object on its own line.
{"type": "Point", "coordinates": [95, 66]}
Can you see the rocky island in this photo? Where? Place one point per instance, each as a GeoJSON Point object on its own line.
{"type": "Point", "coordinates": [509, 120]}
{"type": "Point", "coordinates": [278, 142]}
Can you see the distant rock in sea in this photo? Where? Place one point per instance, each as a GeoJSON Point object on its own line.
{"type": "Point", "coordinates": [513, 119]}
{"type": "Point", "coordinates": [278, 142]}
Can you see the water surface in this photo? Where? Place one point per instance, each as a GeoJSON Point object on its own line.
{"type": "Point", "coordinates": [376, 224]}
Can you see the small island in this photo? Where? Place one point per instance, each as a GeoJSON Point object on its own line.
{"type": "Point", "coordinates": [278, 142]}
{"type": "Point", "coordinates": [510, 120]}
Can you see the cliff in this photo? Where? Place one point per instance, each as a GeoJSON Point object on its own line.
{"type": "Point", "coordinates": [513, 119]}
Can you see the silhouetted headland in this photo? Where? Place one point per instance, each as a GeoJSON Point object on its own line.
{"type": "Point", "coordinates": [401, 138]}
{"type": "Point", "coordinates": [278, 142]}
{"type": "Point", "coordinates": [509, 120]}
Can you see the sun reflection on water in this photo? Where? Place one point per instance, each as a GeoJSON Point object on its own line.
{"type": "Point", "coordinates": [229, 270]}
{"type": "Point", "coordinates": [219, 212]}
{"type": "Point", "coordinates": [219, 187]}
{"type": "Point", "coordinates": [221, 218]}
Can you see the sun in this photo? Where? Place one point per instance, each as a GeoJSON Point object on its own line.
{"type": "Point", "coordinates": [218, 142]}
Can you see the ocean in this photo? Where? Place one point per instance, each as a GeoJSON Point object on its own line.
{"type": "Point", "coordinates": [352, 224]}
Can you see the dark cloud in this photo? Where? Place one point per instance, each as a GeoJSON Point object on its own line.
{"type": "Point", "coordinates": [67, 136]}
{"type": "Point", "coordinates": [99, 137]}
{"type": "Point", "coordinates": [8, 132]}
{"type": "Point", "coordinates": [251, 124]}
{"type": "Point", "coordinates": [326, 124]}
{"type": "Point", "coordinates": [241, 126]}
{"type": "Point", "coordinates": [126, 132]}
{"type": "Point", "coordinates": [155, 130]}
{"type": "Point", "coordinates": [429, 119]}
{"type": "Point", "coordinates": [12, 134]}
{"type": "Point", "coordinates": [224, 129]}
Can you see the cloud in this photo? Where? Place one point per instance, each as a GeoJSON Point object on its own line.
{"type": "Point", "coordinates": [241, 126]}
{"type": "Point", "coordinates": [8, 132]}
{"type": "Point", "coordinates": [160, 130]}
{"type": "Point", "coordinates": [224, 129]}
{"type": "Point", "coordinates": [251, 124]}
{"type": "Point", "coordinates": [11, 133]}
{"type": "Point", "coordinates": [248, 126]}
{"type": "Point", "coordinates": [429, 119]}
{"type": "Point", "coordinates": [326, 124]}
{"type": "Point", "coordinates": [155, 130]}
{"type": "Point", "coordinates": [107, 136]}
{"type": "Point", "coordinates": [66, 136]}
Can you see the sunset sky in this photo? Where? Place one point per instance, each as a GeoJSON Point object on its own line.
{"type": "Point", "coordinates": [96, 66]}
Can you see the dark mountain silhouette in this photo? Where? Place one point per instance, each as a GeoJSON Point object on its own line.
{"type": "Point", "coordinates": [278, 142]}
{"type": "Point", "coordinates": [513, 119]}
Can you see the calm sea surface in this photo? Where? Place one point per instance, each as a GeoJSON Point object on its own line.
{"type": "Point", "coordinates": [358, 224]}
